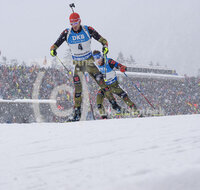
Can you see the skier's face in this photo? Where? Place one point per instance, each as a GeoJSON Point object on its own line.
{"type": "Point", "coordinates": [76, 25]}
{"type": "Point", "coordinates": [99, 61]}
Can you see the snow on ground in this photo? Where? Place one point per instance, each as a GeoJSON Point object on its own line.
{"type": "Point", "coordinates": [159, 153]}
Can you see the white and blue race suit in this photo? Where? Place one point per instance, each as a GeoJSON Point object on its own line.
{"type": "Point", "coordinates": [108, 72]}
{"type": "Point", "coordinates": [80, 44]}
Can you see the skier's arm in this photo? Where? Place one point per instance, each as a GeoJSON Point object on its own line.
{"type": "Point", "coordinates": [112, 63]}
{"type": "Point", "coordinates": [60, 40]}
{"type": "Point", "coordinates": [98, 37]}
{"type": "Point", "coordinates": [117, 65]}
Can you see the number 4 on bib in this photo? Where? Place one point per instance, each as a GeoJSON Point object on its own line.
{"type": "Point", "coordinates": [80, 47]}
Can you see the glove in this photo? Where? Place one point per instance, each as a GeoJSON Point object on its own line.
{"type": "Point", "coordinates": [123, 68]}
{"type": "Point", "coordinates": [53, 53]}
{"type": "Point", "coordinates": [105, 50]}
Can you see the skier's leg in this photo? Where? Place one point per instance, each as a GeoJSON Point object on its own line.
{"type": "Point", "coordinates": [115, 106]}
{"type": "Point", "coordinates": [116, 89]}
{"type": "Point", "coordinates": [98, 77]}
{"type": "Point", "coordinates": [77, 95]}
{"type": "Point", "coordinates": [100, 98]}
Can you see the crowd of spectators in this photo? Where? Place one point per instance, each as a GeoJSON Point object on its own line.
{"type": "Point", "coordinates": [170, 96]}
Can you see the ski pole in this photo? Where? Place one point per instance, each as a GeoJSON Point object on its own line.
{"type": "Point", "coordinates": [140, 92]}
{"type": "Point", "coordinates": [64, 65]}
{"type": "Point", "coordinates": [72, 6]}
{"type": "Point", "coordinates": [105, 60]}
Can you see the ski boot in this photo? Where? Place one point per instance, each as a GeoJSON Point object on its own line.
{"type": "Point", "coordinates": [104, 117]}
{"type": "Point", "coordinates": [116, 107]}
{"type": "Point", "coordinates": [135, 111]}
{"type": "Point", "coordinates": [77, 115]}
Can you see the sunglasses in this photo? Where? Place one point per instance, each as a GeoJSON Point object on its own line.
{"type": "Point", "coordinates": [74, 23]}
{"type": "Point", "coordinates": [97, 56]}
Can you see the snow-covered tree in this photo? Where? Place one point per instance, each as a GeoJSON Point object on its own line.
{"type": "Point", "coordinates": [151, 64]}
{"type": "Point", "coordinates": [130, 60]}
{"type": "Point", "coordinates": [14, 62]}
{"type": "Point", "coordinates": [4, 59]}
{"type": "Point", "coordinates": [120, 58]}
{"type": "Point", "coordinates": [157, 64]}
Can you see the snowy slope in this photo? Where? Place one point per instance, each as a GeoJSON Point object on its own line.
{"type": "Point", "coordinates": [160, 153]}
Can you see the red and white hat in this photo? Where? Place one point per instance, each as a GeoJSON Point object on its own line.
{"type": "Point", "coordinates": [74, 17]}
